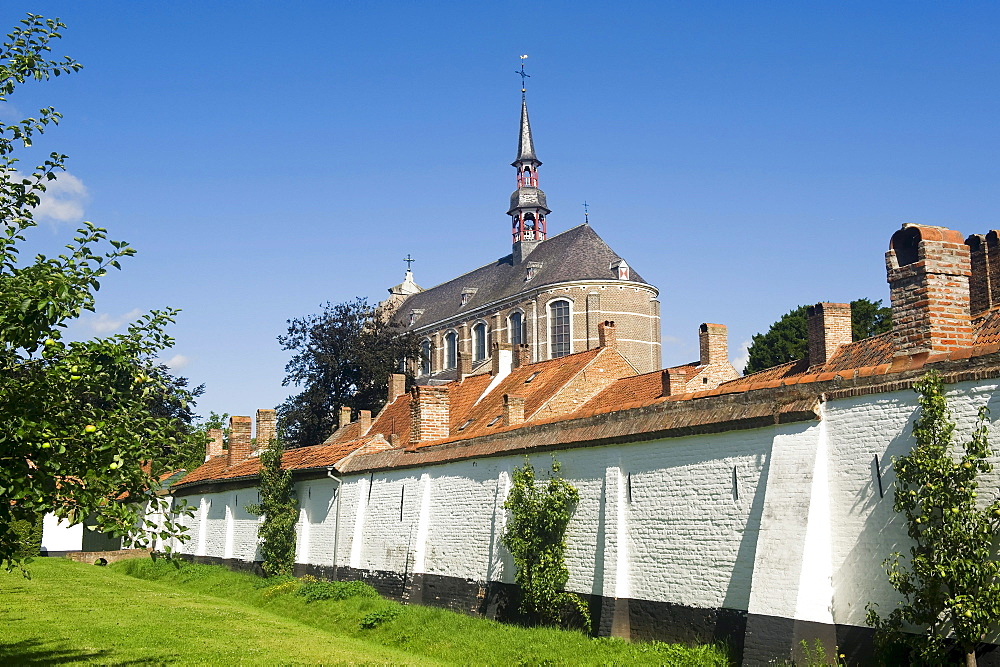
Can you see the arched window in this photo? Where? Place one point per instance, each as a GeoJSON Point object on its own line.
{"type": "Point", "coordinates": [425, 357]}
{"type": "Point", "coordinates": [516, 324]}
{"type": "Point", "coordinates": [560, 343]}
{"type": "Point", "coordinates": [479, 341]}
{"type": "Point", "coordinates": [451, 350]}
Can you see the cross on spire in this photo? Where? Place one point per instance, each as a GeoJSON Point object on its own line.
{"type": "Point", "coordinates": [524, 75]}
{"type": "Point", "coordinates": [409, 260]}
{"type": "Point", "coordinates": [586, 211]}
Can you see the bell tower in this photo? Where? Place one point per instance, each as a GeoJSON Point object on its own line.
{"type": "Point", "coordinates": [527, 203]}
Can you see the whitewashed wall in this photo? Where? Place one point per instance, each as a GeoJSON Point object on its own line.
{"type": "Point", "coordinates": [780, 521]}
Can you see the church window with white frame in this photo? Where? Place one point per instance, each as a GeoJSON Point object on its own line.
{"type": "Point", "coordinates": [516, 324]}
{"type": "Point", "coordinates": [450, 349]}
{"type": "Point", "coordinates": [425, 357]}
{"type": "Point", "coordinates": [560, 341]}
{"type": "Point", "coordinates": [479, 341]}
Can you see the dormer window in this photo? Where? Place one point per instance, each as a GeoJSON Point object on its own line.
{"type": "Point", "coordinates": [466, 425]}
{"type": "Point", "coordinates": [467, 294]}
{"type": "Point", "coordinates": [532, 377]}
{"type": "Point", "coordinates": [415, 315]}
{"type": "Point", "coordinates": [495, 420]}
{"type": "Point", "coordinates": [620, 268]}
{"type": "Point", "coordinates": [531, 269]}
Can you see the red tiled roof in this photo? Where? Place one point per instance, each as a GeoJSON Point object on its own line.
{"type": "Point", "coordinates": [988, 331]}
{"type": "Point", "coordinates": [638, 388]}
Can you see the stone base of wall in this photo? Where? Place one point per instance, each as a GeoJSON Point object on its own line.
{"type": "Point", "coordinates": [752, 639]}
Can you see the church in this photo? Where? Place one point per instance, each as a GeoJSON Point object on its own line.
{"type": "Point", "coordinates": [545, 299]}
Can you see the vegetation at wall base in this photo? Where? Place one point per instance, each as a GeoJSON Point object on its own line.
{"type": "Point", "coordinates": [950, 583]}
{"type": "Point", "coordinates": [280, 509]}
{"type": "Point", "coordinates": [535, 535]}
{"type": "Point", "coordinates": [88, 426]}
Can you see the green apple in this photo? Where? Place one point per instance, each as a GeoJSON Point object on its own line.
{"type": "Point", "coordinates": [89, 428]}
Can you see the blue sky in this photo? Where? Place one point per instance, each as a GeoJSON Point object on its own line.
{"type": "Point", "coordinates": [746, 158]}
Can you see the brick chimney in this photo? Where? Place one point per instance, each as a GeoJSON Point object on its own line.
{"type": "Point", "coordinates": [713, 341]}
{"type": "Point", "coordinates": [266, 428]}
{"type": "Point", "coordinates": [607, 335]}
{"type": "Point", "coordinates": [984, 283]}
{"type": "Point", "coordinates": [513, 410]}
{"type": "Point", "coordinates": [928, 272]}
{"type": "Point", "coordinates": [522, 355]}
{"type": "Point", "coordinates": [674, 382]}
{"type": "Point", "coordinates": [397, 386]}
{"type": "Point", "coordinates": [343, 416]}
{"type": "Point", "coordinates": [214, 445]}
{"type": "Point", "coordinates": [502, 359]}
{"type": "Point", "coordinates": [365, 421]}
{"type": "Point", "coordinates": [828, 326]}
{"type": "Point", "coordinates": [239, 440]}
{"type": "Point", "coordinates": [428, 414]}
{"type": "Point", "coordinates": [464, 365]}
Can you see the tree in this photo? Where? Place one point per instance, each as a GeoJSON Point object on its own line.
{"type": "Point", "coordinates": [951, 581]}
{"type": "Point", "coordinates": [535, 536]}
{"type": "Point", "coordinates": [280, 509]}
{"type": "Point", "coordinates": [343, 357]}
{"type": "Point", "coordinates": [87, 425]}
{"type": "Point", "coordinates": [786, 340]}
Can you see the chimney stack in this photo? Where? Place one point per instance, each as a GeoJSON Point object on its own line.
{"type": "Point", "coordinates": [513, 410]}
{"type": "Point", "coordinates": [266, 428]}
{"type": "Point", "coordinates": [365, 421]}
{"type": "Point", "coordinates": [239, 440]}
{"type": "Point", "coordinates": [523, 353]}
{"type": "Point", "coordinates": [428, 414]}
{"type": "Point", "coordinates": [674, 382]}
{"type": "Point", "coordinates": [214, 445]}
{"type": "Point", "coordinates": [502, 359]}
{"type": "Point", "coordinates": [464, 365]}
{"type": "Point", "coordinates": [343, 416]}
{"type": "Point", "coordinates": [828, 326]}
{"type": "Point", "coordinates": [397, 386]}
{"type": "Point", "coordinates": [928, 272]}
{"type": "Point", "coordinates": [607, 335]}
{"type": "Point", "coordinates": [713, 341]}
{"type": "Point", "coordinates": [984, 283]}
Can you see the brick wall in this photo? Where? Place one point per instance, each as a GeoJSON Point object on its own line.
{"type": "Point", "coordinates": [429, 414]}
{"type": "Point", "coordinates": [239, 440]}
{"type": "Point", "coordinates": [828, 326]}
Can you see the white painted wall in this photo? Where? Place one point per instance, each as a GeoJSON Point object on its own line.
{"type": "Point", "coordinates": [782, 521]}
{"type": "Point", "coordinates": [58, 535]}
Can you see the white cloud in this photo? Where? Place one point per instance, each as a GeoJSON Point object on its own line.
{"type": "Point", "coordinates": [740, 360]}
{"type": "Point", "coordinates": [63, 200]}
{"type": "Point", "coordinates": [103, 323]}
{"type": "Point", "coordinates": [177, 362]}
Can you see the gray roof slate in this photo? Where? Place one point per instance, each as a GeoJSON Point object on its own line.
{"type": "Point", "coordinates": [576, 254]}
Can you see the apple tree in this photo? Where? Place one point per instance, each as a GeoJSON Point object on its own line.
{"type": "Point", "coordinates": [87, 426]}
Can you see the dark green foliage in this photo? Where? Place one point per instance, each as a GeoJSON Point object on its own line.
{"type": "Point", "coordinates": [951, 581]}
{"type": "Point", "coordinates": [343, 357]}
{"type": "Point", "coordinates": [379, 617]}
{"type": "Point", "coordinates": [786, 340]}
{"type": "Point", "coordinates": [535, 537]}
{"type": "Point", "coordinates": [29, 534]}
{"type": "Point", "coordinates": [280, 509]}
{"type": "Point", "coordinates": [88, 426]}
{"type": "Point", "coordinates": [335, 590]}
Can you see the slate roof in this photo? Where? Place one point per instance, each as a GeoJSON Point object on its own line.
{"type": "Point", "coordinates": [576, 254]}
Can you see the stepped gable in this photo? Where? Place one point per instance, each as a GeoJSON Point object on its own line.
{"type": "Point", "coordinates": [576, 254]}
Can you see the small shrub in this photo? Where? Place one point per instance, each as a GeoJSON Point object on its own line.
{"type": "Point", "coordinates": [335, 590]}
{"type": "Point", "coordinates": [377, 618]}
{"type": "Point", "coordinates": [284, 588]}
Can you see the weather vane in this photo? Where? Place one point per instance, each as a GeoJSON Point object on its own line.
{"type": "Point", "coordinates": [586, 211]}
{"type": "Point", "coordinates": [409, 260]}
{"type": "Point", "coordinates": [524, 75]}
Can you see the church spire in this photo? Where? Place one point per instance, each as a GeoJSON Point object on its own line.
{"type": "Point", "coordinates": [527, 204]}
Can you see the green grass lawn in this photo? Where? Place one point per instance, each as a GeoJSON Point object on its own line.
{"type": "Point", "coordinates": [161, 614]}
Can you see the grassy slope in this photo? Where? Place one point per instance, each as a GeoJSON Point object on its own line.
{"type": "Point", "coordinates": [443, 635]}
{"type": "Point", "coordinates": [72, 613]}
{"type": "Point", "coordinates": [77, 613]}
